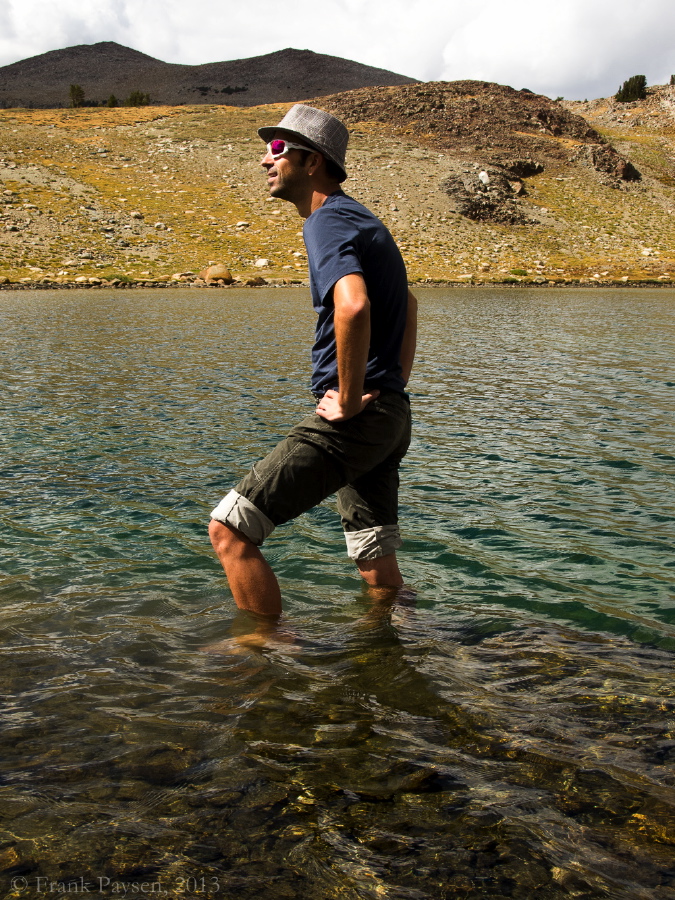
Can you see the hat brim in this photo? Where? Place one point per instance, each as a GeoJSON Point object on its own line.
{"type": "Point", "coordinates": [268, 131]}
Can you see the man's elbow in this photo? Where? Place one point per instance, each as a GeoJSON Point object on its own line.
{"type": "Point", "coordinates": [354, 309]}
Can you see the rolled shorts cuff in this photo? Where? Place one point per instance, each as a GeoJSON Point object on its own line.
{"type": "Point", "coordinates": [371, 543]}
{"type": "Point", "coordinates": [241, 514]}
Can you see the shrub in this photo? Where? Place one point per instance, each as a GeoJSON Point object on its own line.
{"type": "Point", "coordinates": [519, 272]}
{"type": "Point", "coordinates": [137, 98]}
{"type": "Point", "coordinates": [635, 88]}
{"type": "Point", "coordinates": [76, 96]}
{"type": "Point", "coordinates": [672, 79]}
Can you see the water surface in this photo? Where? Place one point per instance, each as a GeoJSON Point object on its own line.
{"type": "Point", "coordinates": [504, 729]}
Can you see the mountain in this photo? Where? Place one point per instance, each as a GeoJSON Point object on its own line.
{"type": "Point", "coordinates": [108, 68]}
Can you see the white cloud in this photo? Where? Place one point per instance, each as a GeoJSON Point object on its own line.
{"type": "Point", "coordinates": [576, 48]}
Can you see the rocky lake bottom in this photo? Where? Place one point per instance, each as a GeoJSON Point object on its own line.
{"type": "Point", "coordinates": [503, 727]}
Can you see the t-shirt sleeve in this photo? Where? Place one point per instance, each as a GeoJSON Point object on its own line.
{"type": "Point", "coordinates": [332, 249]}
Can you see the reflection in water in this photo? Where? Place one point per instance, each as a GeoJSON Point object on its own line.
{"type": "Point", "coordinates": [502, 729]}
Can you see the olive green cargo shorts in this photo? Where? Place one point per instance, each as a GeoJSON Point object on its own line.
{"type": "Point", "coordinates": [359, 459]}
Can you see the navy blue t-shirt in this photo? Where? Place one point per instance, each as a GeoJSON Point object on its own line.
{"type": "Point", "coordinates": [343, 237]}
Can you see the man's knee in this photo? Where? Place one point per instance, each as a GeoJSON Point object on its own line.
{"type": "Point", "coordinates": [225, 538]}
{"type": "Point", "coordinates": [238, 513]}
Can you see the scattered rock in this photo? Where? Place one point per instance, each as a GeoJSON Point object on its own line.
{"type": "Point", "coordinates": [522, 168]}
{"type": "Point", "coordinates": [486, 196]}
{"type": "Point", "coordinates": [262, 263]}
{"type": "Point", "coordinates": [136, 214]}
{"type": "Point", "coordinates": [255, 282]}
{"type": "Point", "coordinates": [604, 159]}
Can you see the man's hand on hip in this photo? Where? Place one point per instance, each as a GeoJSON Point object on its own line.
{"type": "Point", "coordinates": [329, 406]}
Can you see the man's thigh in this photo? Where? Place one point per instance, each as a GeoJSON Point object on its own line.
{"type": "Point", "coordinates": [315, 460]}
{"type": "Point", "coordinates": [368, 506]}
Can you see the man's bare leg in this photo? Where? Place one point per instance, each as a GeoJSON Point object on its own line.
{"type": "Point", "coordinates": [253, 583]}
{"type": "Point", "coordinates": [380, 572]}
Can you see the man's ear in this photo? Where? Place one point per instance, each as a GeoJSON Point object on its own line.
{"type": "Point", "coordinates": [314, 161]}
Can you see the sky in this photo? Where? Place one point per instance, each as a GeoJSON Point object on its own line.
{"type": "Point", "coordinates": [578, 49]}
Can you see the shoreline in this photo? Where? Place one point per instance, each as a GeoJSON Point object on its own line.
{"type": "Point", "coordinates": [146, 285]}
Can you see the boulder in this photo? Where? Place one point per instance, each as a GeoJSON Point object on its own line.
{"type": "Point", "coordinates": [262, 263]}
{"type": "Point", "coordinates": [217, 272]}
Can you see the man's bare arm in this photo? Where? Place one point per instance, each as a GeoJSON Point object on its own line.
{"type": "Point", "coordinates": [352, 339]}
{"type": "Point", "coordinates": [409, 338]}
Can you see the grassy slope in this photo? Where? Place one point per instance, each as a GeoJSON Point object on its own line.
{"type": "Point", "coordinates": [196, 171]}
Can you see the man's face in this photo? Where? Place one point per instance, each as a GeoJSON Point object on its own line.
{"type": "Point", "coordinates": [287, 176]}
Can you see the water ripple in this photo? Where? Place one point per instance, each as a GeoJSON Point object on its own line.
{"type": "Point", "coordinates": [504, 729]}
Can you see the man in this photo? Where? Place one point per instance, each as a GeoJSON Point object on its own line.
{"type": "Point", "coordinates": [362, 357]}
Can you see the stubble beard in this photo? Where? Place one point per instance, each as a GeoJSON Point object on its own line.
{"type": "Point", "coordinates": [289, 186]}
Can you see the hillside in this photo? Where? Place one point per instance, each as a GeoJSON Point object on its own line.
{"type": "Point", "coordinates": [479, 183]}
{"type": "Point", "coordinates": [108, 68]}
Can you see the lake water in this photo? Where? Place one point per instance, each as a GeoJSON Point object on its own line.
{"type": "Point", "coordinates": [505, 728]}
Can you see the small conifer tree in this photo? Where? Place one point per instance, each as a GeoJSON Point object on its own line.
{"type": "Point", "coordinates": [76, 96]}
{"type": "Point", "coordinates": [635, 88]}
{"type": "Point", "coordinates": [137, 98]}
{"type": "Point", "coordinates": [112, 101]}
{"type": "Point", "coordinates": [672, 79]}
